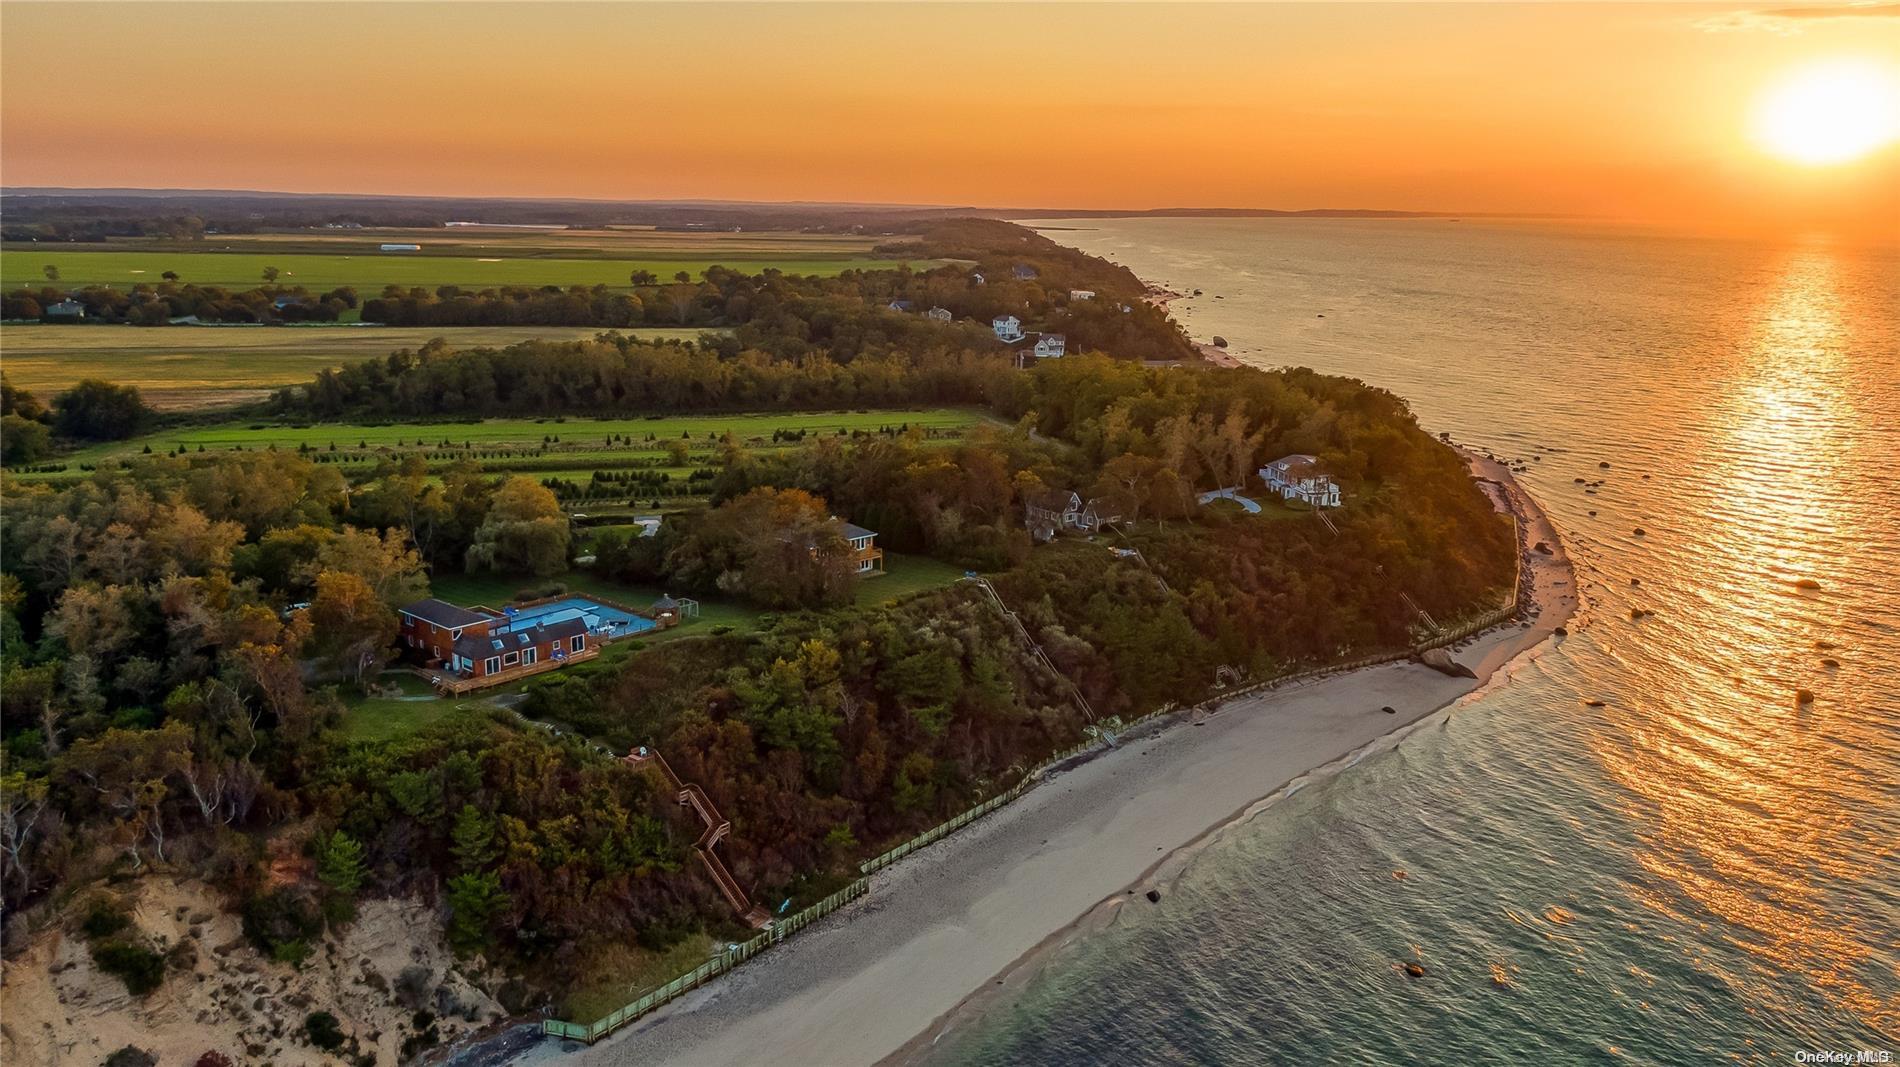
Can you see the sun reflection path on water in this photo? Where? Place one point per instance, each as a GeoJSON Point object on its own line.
{"type": "Point", "coordinates": [1746, 811]}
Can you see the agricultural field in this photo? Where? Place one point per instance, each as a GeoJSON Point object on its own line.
{"type": "Point", "coordinates": [184, 368]}
{"type": "Point", "coordinates": [614, 242]}
{"type": "Point", "coordinates": [602, 466]}
{"type": "Point", "coordinates": [369, 270]}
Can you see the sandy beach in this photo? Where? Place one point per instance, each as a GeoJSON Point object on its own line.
{"type": "Point", "coordinates": [883, 978]}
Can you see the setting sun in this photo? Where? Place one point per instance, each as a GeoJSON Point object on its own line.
{"type": "Point", "coordinates": [1829, 113]}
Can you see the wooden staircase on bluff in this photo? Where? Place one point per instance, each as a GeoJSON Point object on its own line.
{"type": "Point", "coordinates": [717, 827]}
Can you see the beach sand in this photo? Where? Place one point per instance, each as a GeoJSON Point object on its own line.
{"type": "Point", "coordinates": [971, 915]}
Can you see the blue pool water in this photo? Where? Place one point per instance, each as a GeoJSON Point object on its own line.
{"type": "Point", "coordinates": [616, 621]}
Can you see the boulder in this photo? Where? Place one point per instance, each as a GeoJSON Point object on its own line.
{"type": "Point", "coordinates": [1542, 547]}
{"type": "Point", "coordinates": [1389, 710]}
{"type": "Point", "coordinates": [1440, 660]}
{"type": "Point", "coordinates": [1804, 696]}
{"type": "Point", "coordinates": [1415, 969]}
{"type": "Point", "coordinates": [1219, 341]}
{"type": "Point", "coordinates": [1830, 662]}
{"type": "Point", "coordinates": [1807, 583]}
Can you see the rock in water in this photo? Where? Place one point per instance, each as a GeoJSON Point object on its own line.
{"type": "Point", "coordinates": [1154, 896]}
{"type": "Point", "coordinates": [1593, 703]}
{"type": "Point", "coordinates": [1640, 532]}
{"type": "Point", "coordinates": [1389, 710]}
{"type": "Point", "coordinates": [1440, 660]}
{"type": "Point", "coordinates": [1415, 969]}
{"type": "Point", "coordinates": [1807, 583]}
{"type": "Point", "coordinates": [1804, 696]}
{"type": "Point", "coordinates": [1830, 662]}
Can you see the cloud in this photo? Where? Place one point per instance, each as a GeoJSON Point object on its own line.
{"type": "Point", "coordinates": [1790, 20]}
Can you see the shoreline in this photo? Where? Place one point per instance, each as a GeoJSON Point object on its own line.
{"type": "Point", "coordinates": [945, 931]}
{"type": "Point", "coordinates": [1215, 354]}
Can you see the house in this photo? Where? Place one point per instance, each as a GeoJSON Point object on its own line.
{"type": "Point", "coordinates": [976, 278]}
{"type": "Point", "coordinates": [401, 248]}
{"type": "Point", "coordinates": [475, 645]}
{"type": "Point", "coordinates": [505, 647]}
{"type": "Point", "coordinates": [1051, 346]}
{"type": "Point", "coordinates": [866, 558]}
{"type": "Point", "coordinates": [1298, 477]}
{"type": "Point", "coordinates": [939, 314]}
{"type": "Point", "coordinates": [433, 626]}
{"type": "Point", "coordinates": [899, 305]}
{"type": "Point", "coordinates": [283, 302]}
{"type": "Point", "coordinates": [65, 309]}
{"type": "Point", "coordinates": [1052, 511]}
{"type": "Point", "coordinates": [1022, 272]}
{"type": "Point", "coordinates": [1008, 328]}
{"type": "Point", "coordinates": [1081, 294]}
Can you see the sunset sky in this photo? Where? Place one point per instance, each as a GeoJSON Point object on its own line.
{"type": "Point", "coordinates": [1618, 110]}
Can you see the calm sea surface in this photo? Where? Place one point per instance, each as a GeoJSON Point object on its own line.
{"type": "Point", "coordinates": [1703, 870]}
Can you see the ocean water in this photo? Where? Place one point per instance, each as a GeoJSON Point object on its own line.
{"type": "Point", "coordinates": [1702, 870]}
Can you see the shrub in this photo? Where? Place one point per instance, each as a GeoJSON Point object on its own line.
{"type": "Point", "coordinates": [324, 1030]}
{"type": "Point", "coordinates": [141, 969]}
{"type": "Point", "coordinates": [131, 1056]}
{"type": "Point", "coordinates": [282, 922]}
{"type": "Point", "coordinates": [103, 918]}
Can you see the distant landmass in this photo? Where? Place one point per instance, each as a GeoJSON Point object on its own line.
{"type": "Point", "coordinates": [242, 208]}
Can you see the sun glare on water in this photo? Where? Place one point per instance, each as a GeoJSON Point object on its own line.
{"type": "Point", "coordinates": [1832, 112]}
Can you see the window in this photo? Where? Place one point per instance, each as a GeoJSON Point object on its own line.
{"type": "Point", "coordinates": [455, 634]}
{"type": "Point", "coordinates": [527, 657]}
{"type": "Point", "coordinates": [577, 643]}
{"type": "Point", "coordinates": [491, 665]}
{"type": "Point", "coordinates": [510, 659]}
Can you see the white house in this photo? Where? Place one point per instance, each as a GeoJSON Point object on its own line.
{"type": "Point", "coordinates": [1008, 328]}
{"type": "Point", "coordinates": [939, 314]}
{"type": "Point", "coordinates": [1051, 346]}
{"type": "Point", "coordinates": [1298, 477]}
{"type": "Point", "coordinates": [1053, 510]}
{"type": "Point", "coordinates": [976, 278]}
{"type": "Point", "coordinates": [1081, 294]}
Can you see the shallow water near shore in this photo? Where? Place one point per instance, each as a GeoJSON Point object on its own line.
{"type": "Point", "coordinates": [1705, 866]}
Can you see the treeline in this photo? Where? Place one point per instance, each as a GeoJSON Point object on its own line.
{"type": "Point", "coordinates": [92, 410]}
{"type": "Point", "coordinates": [159, 304]}
{"type": "Point", "coordinates": [619, 373]}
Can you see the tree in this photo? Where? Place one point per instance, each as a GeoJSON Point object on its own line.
{"type": "Point", "coordinates": [51, 272]}
{"type": "Point", "coordinates": [677, 453]}
{"type": "Point", "coordinates": [474, 901]}
{"type": "Point", "coordinates": [96, 410]}
{"type": "Point", "coordinates": [23, 440]}
{"type": "Point", "coordinates": [270, 275]}
{"type": "Point", "coordinates": [340, 869]}
{"type": "Point", "coordinates": [350, 625]}
{"type": "Point", "coordinates": [474, 839]}
{"type": "Point", "coordinates": [170, 276]}
{"type": "Point", "coordinates": [642, 277]}
{"type": "Point", "coordinates": [524, 531]}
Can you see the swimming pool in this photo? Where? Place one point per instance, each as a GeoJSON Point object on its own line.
{"type": "Point", "coordinates": [615, 622]}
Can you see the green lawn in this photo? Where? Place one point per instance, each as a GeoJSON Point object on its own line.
{"type": "Point", "coordinates": [578, 435]}
{"type": "Point", "coordinates": [904, 575]}
{"type": "Point", "coordinates": [187, 367]}
{"type": "Point", "coordinates": [369, 270]}
{"type": "Point", "coordinates": [382, 718]}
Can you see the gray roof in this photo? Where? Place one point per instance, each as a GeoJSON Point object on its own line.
{"type": "Point", "coordinates": [852, 531]}
{"type": "Point", "coordinates": [481, 646]}
{"type": "Point", "coordinates": [443, 613]}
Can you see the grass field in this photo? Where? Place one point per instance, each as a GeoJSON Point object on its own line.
{"type": "Point", "coordinates": [582, 440]}
{"type": "Point", "coordinates": [370, 270]}
{"type": "Point", "coordinates": [181, 368]}
{"type": "Point", "coordinates": [619, 242]}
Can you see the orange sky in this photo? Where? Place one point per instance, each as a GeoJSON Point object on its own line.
{"type": "Point", "coordinates": [1627, 110]}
